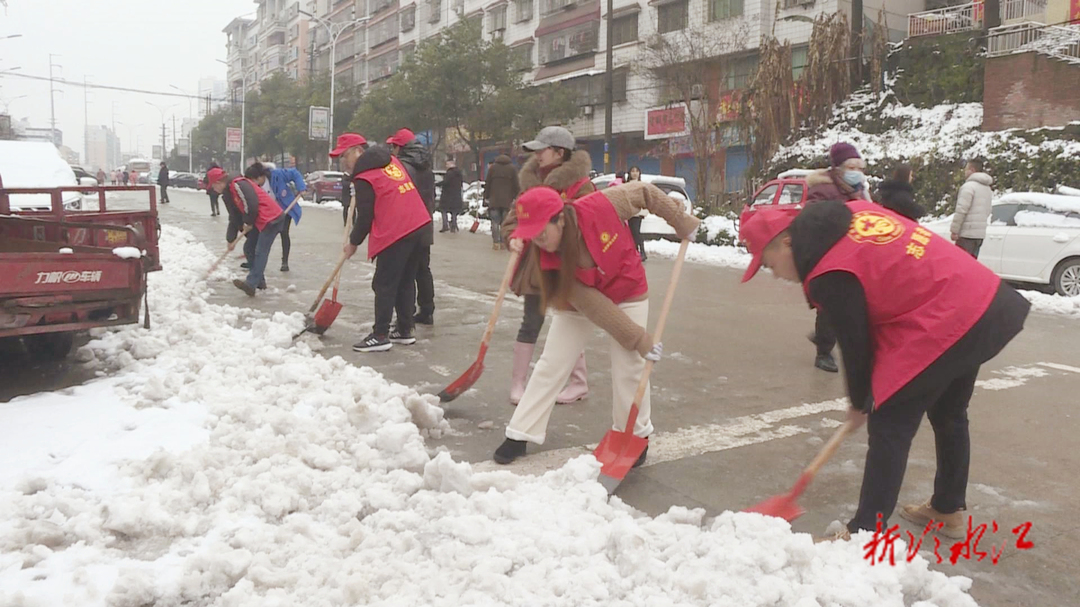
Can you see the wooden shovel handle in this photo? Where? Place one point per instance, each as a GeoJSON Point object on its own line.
{"type": "Point", "coordinates": [228, 250]}
{"type": "Point", "coordinates": [335, 276]}
{"type": "Point", "coordinates": [508, 275]}
{"type": "Point", "coordinates": [643, 384]}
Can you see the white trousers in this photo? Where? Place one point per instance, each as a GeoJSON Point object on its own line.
{"type": "Point", "coordinates": [566, 338]}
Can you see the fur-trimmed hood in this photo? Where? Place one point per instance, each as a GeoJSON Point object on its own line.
{"type": "Point", "coordinates": [561, 177]}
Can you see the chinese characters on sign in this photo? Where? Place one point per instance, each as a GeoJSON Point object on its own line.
{"type": "Point", "coordinates": [69, 277]}
{"type": "Point", "coordinates": [318, 123]}
{"type": "Point", "coordinates": [883, 545]}
{"type": "Point", "coordinates": [232, 139]}
{"type": "Point", "coordinates": [665, 122]}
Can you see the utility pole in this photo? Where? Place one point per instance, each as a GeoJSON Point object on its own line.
{"type": "Point", "coordinates": [52, 100]}
{"type": "Point", "coordinates": [175, 141]}
{"type": "Point", "coordinates": [86, 123]}
{"type": "Point", "coordinates": [162, 141]}
{"type": "Point", "coordinates": [609, 87]}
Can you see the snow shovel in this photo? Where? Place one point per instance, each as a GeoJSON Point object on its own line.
{"type": "Point", "coordinates": [327, 312]}
{"type": "Point", "coordinates": [229, 249]}
{"type": "Point", "coordinates": [619, 451]}
{"type": "Point", "coordinates": [475, 226]}
{"type": "Point", "coordinates": [469, 377]}
{"type": "Point", "coordinates": [785, 505]}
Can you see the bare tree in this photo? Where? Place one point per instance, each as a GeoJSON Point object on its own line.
{"type": "Point", "coordinates": [690, 66]}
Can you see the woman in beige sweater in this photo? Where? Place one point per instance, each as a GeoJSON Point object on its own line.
{"type": "Point", "coordinates": [592, 275]}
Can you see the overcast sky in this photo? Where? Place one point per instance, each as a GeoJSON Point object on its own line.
{"type": "Point", "coordinates": [128, 43]}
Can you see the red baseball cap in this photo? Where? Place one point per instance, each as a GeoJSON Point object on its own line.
{"type": "Point", "coordinates": [215, 175]}
{"type": "Point", "coordinates": [402, 138]}
{"type": "Point", "coordinates": [346, 141]}
{"type": "Point", "coordinates": [758, 231]}
{"type": "Point", "coordinates": [535, 208]}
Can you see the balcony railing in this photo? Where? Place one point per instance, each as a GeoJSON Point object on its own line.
{"type": "Point", "coordinates": [1026, 10]}
{"type": "Point", "coordinates": [949, 20]}
{"type": "Point", "coordinates": [1056, 41]}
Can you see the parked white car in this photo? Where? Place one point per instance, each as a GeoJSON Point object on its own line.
{"type": "Point", "coordinates": [38, 164]}
{"type": "Point", "coordinates": [1032, 238]}
{"type": "Point", "coordinates": [651, 225]}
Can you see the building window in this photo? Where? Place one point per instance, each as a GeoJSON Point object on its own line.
{"type": "Point", "coordinates": [382, 67]}
{"type": "Point", "coordinates": [459, 6]}
{"type": "Point", "coordinates": [725, 9]}
{"type": "Point", "coordinates": [408, 18]}
{"type": "Point", "coordinates": [624, 29]}
{"type": "Point", "coordinates": [673, 17]}
{"type": "Point", "coordinates": [739, 72]}
{"type": "Point", "coordinates": [523, 55]}
{"type": "Point", "coordinates": [589, 90]}
{"type": "Point", "coordinates": [523, 10]}
{"type": "Point", "coordinates": [798, 61]}
{"type": "Point", "coordinates": [383, 32]}
{"type": "Point", "coordinates": [551, 6]}
{"type": "Point", "coordinates": [618, 85]}
{"type": "Point", "coordinates": [434, 11]}
{"type": "Point", "coordinates": [498, 19]}
{"type": "Point", "coordinates": [570, 42]}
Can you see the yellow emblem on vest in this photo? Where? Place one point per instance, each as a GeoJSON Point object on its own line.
{"type": "Point", "coordinates": [393, 172]}
{"type": "Point", "coordinates": [522, 213]}
{"type": "Point", "coordinates": [607, 240]}
{"type": "Point", "coordinates": [874, 227]}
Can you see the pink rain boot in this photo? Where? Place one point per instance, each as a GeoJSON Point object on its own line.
{"type": "Point", "coordinates": [523, 354]}
{"type": "Point", "coordinates": [578, 388]}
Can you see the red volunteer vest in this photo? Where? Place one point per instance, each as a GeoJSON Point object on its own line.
{"type": "Point", "coordinates": [618, 273]}
{"type": "Point", "coordinates": [269, 209]}
{"type": "Point", "coordinates": [923, 293]}
{"type": "Point", "coordinates": [399, 210]}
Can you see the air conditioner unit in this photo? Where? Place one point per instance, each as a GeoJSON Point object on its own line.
{"type": "Point", "coordinates": [587, 110]}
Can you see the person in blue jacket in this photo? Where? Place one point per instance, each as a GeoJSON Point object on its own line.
{"type": "Point", "coordinates": [286, 185]}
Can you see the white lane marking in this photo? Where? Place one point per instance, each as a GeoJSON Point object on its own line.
{"type": "Point", "coordinates": [1013, 378]}
{"type": "Point", "coordinates": [1060, 367]}
{"type": "Point", "coordinates": [511, 301]}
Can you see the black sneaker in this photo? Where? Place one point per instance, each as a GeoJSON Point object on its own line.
{"type": "Point", "coordinates": [826, 362]}
{"type": "Point", "coordinates": [424, 319]}
{"type": "Point", "coordinates": [373, 343]}
{"type": "Point", "coordinates": [641, 458]}
{"type": "Point", "coordinates": [245, 266]}
{"type": "Point", "coordinates": [243, 286]}
{"type": "Point", "coordinates": [284, 267]}
{"type": "Point", "coordinates": [509, 451]}
{"type": "Point", "coordinates": [401, 337]}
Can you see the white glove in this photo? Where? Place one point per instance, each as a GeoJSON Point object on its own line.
{"type": "Point", "coordinates": [655, 353]}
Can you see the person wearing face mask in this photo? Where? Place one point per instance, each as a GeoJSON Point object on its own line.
{"type": "Point", "coordinates": [554, 163]}
{"type": "Point", "coordinates": [916, 317]}
{"type": "Point", "coordinates": [843, 180]}
{"type": "Point", "coordinates": [592, 275]}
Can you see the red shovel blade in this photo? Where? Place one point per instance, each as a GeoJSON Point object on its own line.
{"type": "Point", "coordinates": [617, 454]}
{"type": "Point", "coordinates": [475, 225]}
{"type": "Point", "coordinates": [785, 505]}
{"type": "Point", "coordinates": [460, 385]}
{"type": "Point", "coordinates": [325, 315]}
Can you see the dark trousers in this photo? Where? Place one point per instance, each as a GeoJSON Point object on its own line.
{"type": "Point", "coordinates": [970, 245]}
{"type": "Point", "coordinates": [449, 221]}
{"type": "Point", "coordinates": [635, 231]}
{"type": "Point", "coordinates": [251, 240]}
{"type": "Point", "coordinates": [497, 216]}
{"type": "Point", "coordinates": [532, 322]}
{"type": "Point", "coordinates": [425, 283]}
{"type": "Point", "coordinates": [824, 338]}
{"type": "Point", "coordinates": [214, 210]}
{"type": "Point", "coordinates": [286, 242]}
{"type": "Point", "coordinates": [394, 284]}
{"type": "Point", "coordinates": [164, 193]}
{"type": "Point", "coordinates": [891, 429]}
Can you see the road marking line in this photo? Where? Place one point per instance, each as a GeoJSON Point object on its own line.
{"type": "Point", "coordinates": [1060, 367]}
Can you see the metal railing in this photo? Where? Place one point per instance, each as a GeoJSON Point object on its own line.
{"type": "Point", "coordinates": [1052, 40]}
{"type": "Point", "coordinates": [949, 20]}
{"type": "Point", "coordinates": [1028, 10]}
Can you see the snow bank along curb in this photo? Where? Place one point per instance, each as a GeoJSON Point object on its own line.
{"type": "Point", "coordinates": [292, 479]}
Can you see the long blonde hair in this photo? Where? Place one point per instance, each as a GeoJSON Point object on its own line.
{"type": "Point", "coordinates": [555, 285]}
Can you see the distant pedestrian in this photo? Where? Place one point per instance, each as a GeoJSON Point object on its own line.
{"type": "Point", "coordinates": [127, 178]}
{"type": "Point", "coordinates": [451, 200]}
{"type": "Point", "coordinates": [256, 212]}
{"type": "Point", "coordinates": [211, 192]}
{"type": "Point", "coordinates": [285, 185]}
{"type": "Point", "coordinates": [391, 216]}
{"type": "Point", "coordinates": [898, 195]}
{"type": "Point", "coordinates": [500, 189]}
{"type": "Point", "coordinates": [163, 183]}
{"type": "Point", "coordinates": [634, 174]}
{"type": "Point", "coordinates": [101, 177]}
{"type": "Point", "coordinates": [417, 162]}
{"type": "Point", "coordinates": [973, 204]}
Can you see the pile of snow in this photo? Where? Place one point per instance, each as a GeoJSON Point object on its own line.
{"type": "Point", "coordinates": [127, 252]}
{"type": "Point", "coordinates": [222, 465]}
{"type": "Point", "coordinates": [1053, 304]}
{"type": "Point", "coordinates": [1055, 202]}
{"type": "Point", "coordinates": [66, 251]}
{"type": "Point", "coordinates": [713, 255]}
{"type": "Point", "coordinates": [1037, 219]}
{"type": "Point", "coordinates": [333, 205]}
{"type": "Point", "coordinates": [1067, 191]}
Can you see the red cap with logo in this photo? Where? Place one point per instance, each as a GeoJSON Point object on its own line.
{"type": "Point", "coordinates": [758, 231]}
{"type": "Point", "coordinates": [402, 138]}
{"type": "Point", "coordinates": [535, 208]}
{"type": "Point", "coordinates": [346, 141]}
{"type": "Point", "coordinates": [215, 175]}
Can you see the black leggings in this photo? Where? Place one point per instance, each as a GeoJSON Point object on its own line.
{"type": "Point", "coordinates": [635, 231]}
{"type": "Point", "coordinates": [286, 242]}
{"type": "Point", "coordinates": [532, 322]}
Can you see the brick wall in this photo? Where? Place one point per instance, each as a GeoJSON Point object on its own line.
{"type": "Point", "coordinates": [1029, 90]}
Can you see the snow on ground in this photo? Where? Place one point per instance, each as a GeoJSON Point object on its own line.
{"type": "Point", "coordinates": [723, 256]}
{"type": "Point", "coordinates": [219, 464]}
{"type": "Point", "coordinates": [333, 205]}
{"type": "Point", "coordinates": [1053, 304]}
{"type": "Point", "coordinates": [1067, 191]}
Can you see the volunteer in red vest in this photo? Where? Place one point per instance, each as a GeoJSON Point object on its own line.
{"type": "Point", "coordinates": [915, 318]}
{"type": "Point", "coordinates": [257, 213]}
{"type": "Point", "coordinates": [591, 274]}
{"type": "Point", "coordinates": [391, 215]}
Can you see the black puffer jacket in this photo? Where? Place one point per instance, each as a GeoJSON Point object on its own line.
{"type": "Point", "coordinates": [417, 162]}
{"type": "Point", "coordinates": [899, 197]}
{"type": "Point", "coordinates": [451, 191]}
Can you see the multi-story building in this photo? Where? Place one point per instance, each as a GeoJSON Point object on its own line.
{"type": "Point", "coordinates": [103, 148]}
{"type": "Point", "coordinates": [565, 41]}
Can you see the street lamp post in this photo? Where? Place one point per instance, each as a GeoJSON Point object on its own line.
{"type": "Point", "coordinates": [131, 139]}
{"type": "Point", "coordinates": [243, 107]}
{"type": "Point", "coordinates": [191, 116]}
{"type": "Point", "coordinates": [334, 35]}
{"type": "Point", "coordinates": [7, 104]}
{"type": "Point", "coordinates": [162, 110]}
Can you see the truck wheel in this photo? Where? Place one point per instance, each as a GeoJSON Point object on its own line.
{"type": "Point", "coordinates": [1067, 278]}
{"type": "Point", "coordinates": [49, 346]}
